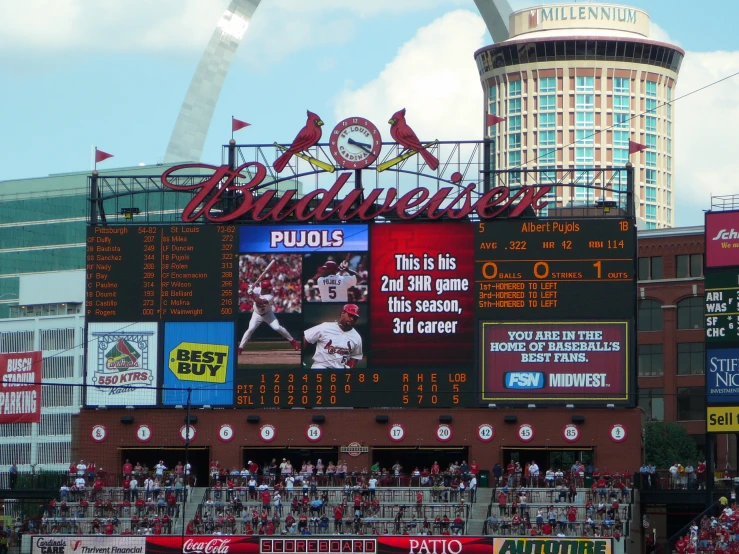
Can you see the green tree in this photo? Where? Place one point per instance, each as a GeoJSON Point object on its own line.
{"type": "Point", "coordinates": [666, 443]}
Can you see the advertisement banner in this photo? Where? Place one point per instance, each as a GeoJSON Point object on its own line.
{"type": "Point", "coordinates": [303, 238]}
{"type": "Point", "coordinates": [301, 545]}
{"type": "Point", "coordinates": [570, 360]}
{"type": "Point", "coordinates": [122, 364]}
{"type": "Point", "coordinates": [198, 356]}
{"type": "Point", "coordinates": [202, 544]}
{"type": "Point", "coordinates": [77, 544]}
{"type": "Point", "coordinates": [722, 375]}
{"type": "Point", "coordinates": [722, 239]}
{"type": "Point", "coordinates": [433, 545]}
{"type": "Point", "coordinates": [422, 295]}
{"type": "Point", "coordinates": [519, 545]}
{"type": "Point", "coordinates": [20, 387]}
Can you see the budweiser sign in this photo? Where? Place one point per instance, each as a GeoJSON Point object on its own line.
{"type": "Point", "coordinates": [322, 204]}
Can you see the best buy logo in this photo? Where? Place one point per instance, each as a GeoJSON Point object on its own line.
{"type": "Point", "coordinates": [191, 361]}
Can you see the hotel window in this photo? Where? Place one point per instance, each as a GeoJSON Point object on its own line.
{"type": "Point", "coordinates": [621, 85]}
{"type": "Point", "coordinates": [691, 403]}
{"type": "Point", "coordinates": [688, 265]}
{"type": "Point", "coordinates": [668, 160]}
{"type": "Point", "coordinates": [547, 84]}
{"type": "Point", "coordinates": [651, 105]}
{"type": "Point", "coordinates": [668, 128]}
{"type": "Point", "coordinates": [620, 103]}
{"type": "Point", "coordinates": [514, 123]}
{"type": "Point", "coordinates": [547, 157]}
{"type": "Point", "coordinates": [547, 120]}
{"type": "Point", "coordinates": [690, 313]}
{"type": "Point", "coordinates": [620, 157]}
{"type": "Point", "coordinates": [651, 194]}
{"type": "Point", "coordinates": [669, 146]}
{"type": "Point", "coordinates": [651, 124]}
{"type": "Point", "coordinates": [492, 106]}
{"type": "Point", "coordinates": [584, 137]}
{"type": "Point", "coordinates": [652, 89]}
{"type": "Point", "coordinates": [669, 214]}
{"type": "Point", "coordinates": [514, 88]}
{"type": "Point", "coordinates": [547, 103]}
{"type": "Point", "coordinates": [492, 94]}
{"type": "Point", "coordinates": [650, 313]}
{"type": "Point", "coordinates": [651, 142]}
{"type": "Point", "coordinates": [651, 225]}
{"type": "Point", "coordinates": [652, 401]}
{"type": "Point", "coordinates": [668, 198]}
{"type": "Point", "coordinates": [650, 360]}
{"type": "Point", "coordinates": [621, 120]}
{"type": "Point", "coordinates": [584, 155]}
{"type": "Point", "coordinates": [669, 181]}
{"type": "Point", "coordinates": [514, 106]}
{"type": "Point", "coordinates": [651, 178]}
{"type": "Point", "coordinates": [514, 141]}
{"type": "Point", "coordinates": [547, 138]}
{"type": "Point", "coordinates": [584, 120]}
{"type": "Point", "coordinates": [691, 358]}
{"type": "Point", "coordinates": [584, 101]}
{"type": "Point", "coordinates": [514, 159]}
{"type": "Point", "coordinates": [651, 211]}
{"type": "Point", "coordinates": [669, 105]}
{"type": "Point", "coordinates": [621, 138]}
{"type": "Point", "coordinates": [584, 84]}
{"type": "Point", "coordinates": [669, 111]}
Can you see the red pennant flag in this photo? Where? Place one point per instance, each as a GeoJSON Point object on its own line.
{"type": "Point", "coordinates": [494, 119]}
{"type": "Point", "coordinates": [237, 124]}
{"type": "Point", "coordinates": [635, 147]}
{"type": "Point", "coordinates": [100, 155]}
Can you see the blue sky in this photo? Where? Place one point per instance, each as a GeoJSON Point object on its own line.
{"type": "Point", "coordinates": [114, 72]}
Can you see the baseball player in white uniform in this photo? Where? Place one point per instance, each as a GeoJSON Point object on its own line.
{"type": "Point", "coordinates": [262, 312]}
{"type": "Point", "coordinates": [338, 345]}
{"type": "Point", "coordinates": [334, 287]}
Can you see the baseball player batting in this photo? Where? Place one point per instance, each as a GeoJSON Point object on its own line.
{"type": "Point", "coordinates": [334, 287]}
{"type": "Point", "coordinates": [262, 312]}
{"type": "Point", "coordinates": [338, 345]}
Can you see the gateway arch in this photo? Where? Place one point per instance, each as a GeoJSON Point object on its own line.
{"type": "Point", "coordinates": [191, 128]}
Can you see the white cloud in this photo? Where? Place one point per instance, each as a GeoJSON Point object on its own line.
{"type": "Point", "coordinates": [434, 76]}
{"type": "Point", "coordinates": [706, 122]}
{"type": "Point", "coordinates": [661, 35]}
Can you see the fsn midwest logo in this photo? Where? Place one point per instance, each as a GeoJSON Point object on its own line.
{"type": "Point", "coordinates": [123, 361]}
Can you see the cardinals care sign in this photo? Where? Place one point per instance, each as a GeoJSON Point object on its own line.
{"type": "Point", "coordinates": [228, 193]}
{"type": "Point", "coordinates": [20, 387]}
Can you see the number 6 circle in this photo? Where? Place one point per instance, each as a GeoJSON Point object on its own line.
{"type": "Point", "coordinates": [314, 433]}
{"type": "Point", "coordinates": [443, 433]}
{"type": "Point", "coordinates": [396, 432]}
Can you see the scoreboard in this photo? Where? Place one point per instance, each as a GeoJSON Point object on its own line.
{"type": "Point", "coordinates": [722, 306]}
{"type": "Point", "coordinates": [450, 314]}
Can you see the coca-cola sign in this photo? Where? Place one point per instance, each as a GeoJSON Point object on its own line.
{"type": "Point", "coordinates": [202, 545]}
{"type": "Point", "coordinates": [321, 204]}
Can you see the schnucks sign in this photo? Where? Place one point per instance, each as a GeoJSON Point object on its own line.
{"type": "Point", "coordinates": [722, 239]}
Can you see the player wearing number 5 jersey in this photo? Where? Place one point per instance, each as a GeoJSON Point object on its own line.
{"type": "Point", "coordinates": [262, 312]}
{"type": "Point", "coordinates": [334, 287]}
{"type": "Point", "coordinates": [338, 345]}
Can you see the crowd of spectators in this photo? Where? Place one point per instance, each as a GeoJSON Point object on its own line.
{"type": "Point", "coordinates": [285, 275]}
{"type": "Point", "coordinates": [717, 534]}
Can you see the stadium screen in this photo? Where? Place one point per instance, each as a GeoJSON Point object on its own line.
{"type": "Point", "coordinates": [433, 314]}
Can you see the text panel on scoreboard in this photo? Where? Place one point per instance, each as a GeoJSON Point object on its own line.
{"type": "Point", "coordinates": [555, 269]}
{"type": "Point", "coordinates": [722, 306]}
{"type": "Point", "coordinates": [564, 361]}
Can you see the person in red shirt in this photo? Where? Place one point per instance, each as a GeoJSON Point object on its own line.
{"type": "Point", "coordinates": [266, 497]}
{"type": "Point", "coordinates": [289, 522]}
{"type": "Point", "coordinates": [572, 517]}
{"type": "Point", "coordinates": [97, 488]}
{"type": "Point", "coordinates": [534, 531]}
{"type": "Point", "coordinates": [502, 499]}
{"type": "Point", "coordinates": [474, 468]}
{"type": "Point", "coordinates": [546, 529]}
{"type": "Point", "coordinates": [700, 473]}
{"type": "Point", "coordinates": [126, 488]}
{"type": "Point", "coordinates": [458, 525]}
{"type": "Point", "coordinates": [419, 503]}
{"type": "Point", "coordinates": [109, 528]}
{"type": "Point", "coordinates": [435, 469]}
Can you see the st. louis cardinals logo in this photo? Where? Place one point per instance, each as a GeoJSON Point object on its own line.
{"type": "Point", "coordinates": [331, 349]}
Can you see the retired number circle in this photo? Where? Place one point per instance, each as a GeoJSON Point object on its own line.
{"type": "Point", "coordinates": [143, 433]}
{"type": "Point", "coordinates": [267, 433]}
{"type": "Point", "coordinates": [99, 433]}
{"type": "Point", "coordinates": [485, 432]}
{"type": "Point", "coordinates": [314, 433]}
{"type": "Point", "coordinates": [444, 432]}
{"type": "Point", "coordinates": [618, 433]}
{"type": "Point", "coordinates": [525, 433]}
{"type": "Point", "coordinates": [396, 432]}
{"type": "Point", "coordinates": [571, 433]}
{"type": "Point", "coordinates": [183, 433]}
{"type": "Point", "coordinates": [226, 433]}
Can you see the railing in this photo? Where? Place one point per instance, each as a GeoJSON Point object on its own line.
{"type": "Point", "coordinates": [29, 480]}
{"type": "Point", "coordinates": [663, 479]}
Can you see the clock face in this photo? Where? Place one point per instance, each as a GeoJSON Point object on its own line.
{"type": "Point", "coordinates": [355, 143]}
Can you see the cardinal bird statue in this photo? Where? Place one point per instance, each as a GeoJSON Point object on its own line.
{"type": "Point", "coordinates": [307, 137]}
{"type": "Point", "coordinates": [404, 135]}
